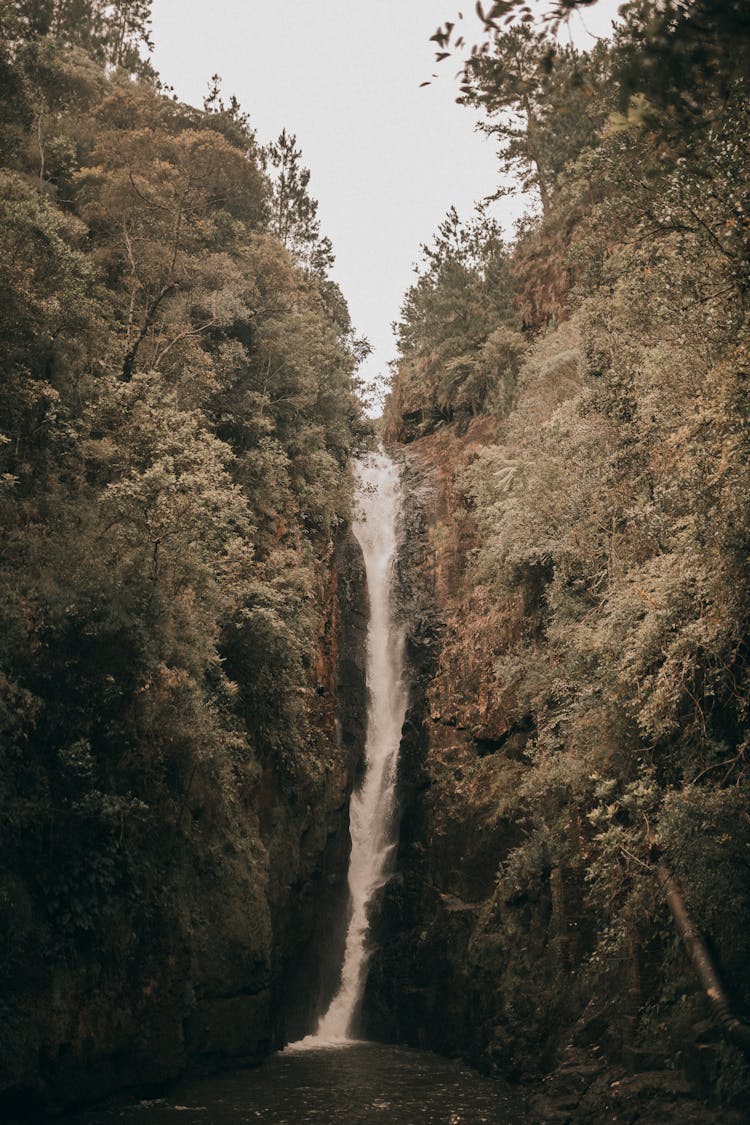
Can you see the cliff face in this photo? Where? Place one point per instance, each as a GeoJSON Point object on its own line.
{"type": "Point", "coordinates": [473, 957]}
{"type": "Point", "coordinates": [437, 976]}
{"type": "Point", "coordinates": [239, 945]}
{"type": "Point", "coordinates": [309, 887]}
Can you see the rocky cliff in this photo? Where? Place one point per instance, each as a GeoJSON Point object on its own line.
{"type": "Point", "coordinates": [238, 942]}
{"type": "Point", "coordinates": [486, 949]}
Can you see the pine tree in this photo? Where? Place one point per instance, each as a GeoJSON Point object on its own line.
{"type": "Point", "coordinates": [294, 213]}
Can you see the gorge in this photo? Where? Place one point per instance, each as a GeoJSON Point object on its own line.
{"type": "Point", "coordinates": [388, 768]}
{"type": "Point", "coordinates": [421, 966]}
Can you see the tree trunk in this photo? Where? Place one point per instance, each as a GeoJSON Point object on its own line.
{"type": "Point", "coordinates": [735, 1029]}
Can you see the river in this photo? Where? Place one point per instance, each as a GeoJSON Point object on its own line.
{"type": "Point", "coordinates": [346, 1085]}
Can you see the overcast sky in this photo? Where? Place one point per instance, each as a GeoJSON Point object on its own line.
{"type": "Point", "coordinates": [387, 157]}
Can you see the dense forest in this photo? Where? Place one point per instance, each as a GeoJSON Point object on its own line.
{"type": "Point", "coordinates": [178, 413]}
{"type": "Point", "coordinates": [181, 614]}
{"type": "Point", "coordinates": [577, 401]}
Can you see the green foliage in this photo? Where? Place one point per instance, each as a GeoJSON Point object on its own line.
{"type": "Point", "coordinates": [609, 509]}
{"type": "Point", "coordinates": [545, 104]}
{"type": "Point", "coordinates": [684, 55]}
{"type": "Point", "coordinates": [460, 353]}
{"type": "Point", "coordinates": [294, 213]}
{"type": "Point", "coordinates": [113, 33]}
{"type": "Point", "coordinates": [177, 414]}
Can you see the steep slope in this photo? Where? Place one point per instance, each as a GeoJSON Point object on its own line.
{"type": "Point", "coordinates": [574, 414]}
{"type": "Point", "coordinates": [492, 941]}
{"type": "Point", "coordinates": [181, 603]}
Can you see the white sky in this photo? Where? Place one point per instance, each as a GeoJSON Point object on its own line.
{"type": "Point", "coordinates": [387, 157]}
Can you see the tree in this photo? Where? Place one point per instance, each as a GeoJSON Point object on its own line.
{"type": "Point", "coordinates": [545, 104]}
{"type": "Point", "coordinates": [159, 205]}
{"type": "Point", "coordinates": [457, 341]}
{"type": "Point", "coordinates": [229, 118]}
{"type": "Point", "coordinates": [52, 313]}
{"type": "Point", "coordinates": [294, 213]}
{"type": "Point", "coordinates": [686, 57]}
{"type": "Point", "coordinates": [126, 33]}
{"type": "Point", "coordinates": [113, 32]}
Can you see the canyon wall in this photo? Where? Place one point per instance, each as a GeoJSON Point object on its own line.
{"type": "Point", "coordinates": [488, 948]}
{"type": "Point", "coordinates": [239, 942]}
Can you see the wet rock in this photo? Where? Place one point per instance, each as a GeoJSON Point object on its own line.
{"type": "Point", "coordinates": [229, 1029]}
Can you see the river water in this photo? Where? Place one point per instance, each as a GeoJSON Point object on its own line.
{"type": "Point", "coordinates": [357, 1084]}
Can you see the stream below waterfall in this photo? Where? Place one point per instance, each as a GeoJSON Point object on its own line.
{"type": "Point", "coordinates": [347, 1085]}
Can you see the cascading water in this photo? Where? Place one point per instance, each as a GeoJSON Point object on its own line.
{"type": "Point", "coordinates": [372, 808]}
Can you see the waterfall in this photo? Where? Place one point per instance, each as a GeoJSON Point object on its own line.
{"type": "Point", "coordinates": [372, 808]}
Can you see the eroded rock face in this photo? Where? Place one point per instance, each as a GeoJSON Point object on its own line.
{"type": "Point", "coordinates": [245, 947]}
{"type": "Point", "coordinates": [434, 979]}
{"type": "Point", "coordinates": [304, 826]}
{"type": "Point", "coordinates": [312, 908]}
{"type": "Point", "coordinates": [466, 963]}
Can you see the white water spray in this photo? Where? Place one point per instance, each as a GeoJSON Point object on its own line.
{"type": "Point", "coordinates": [372, 807]}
